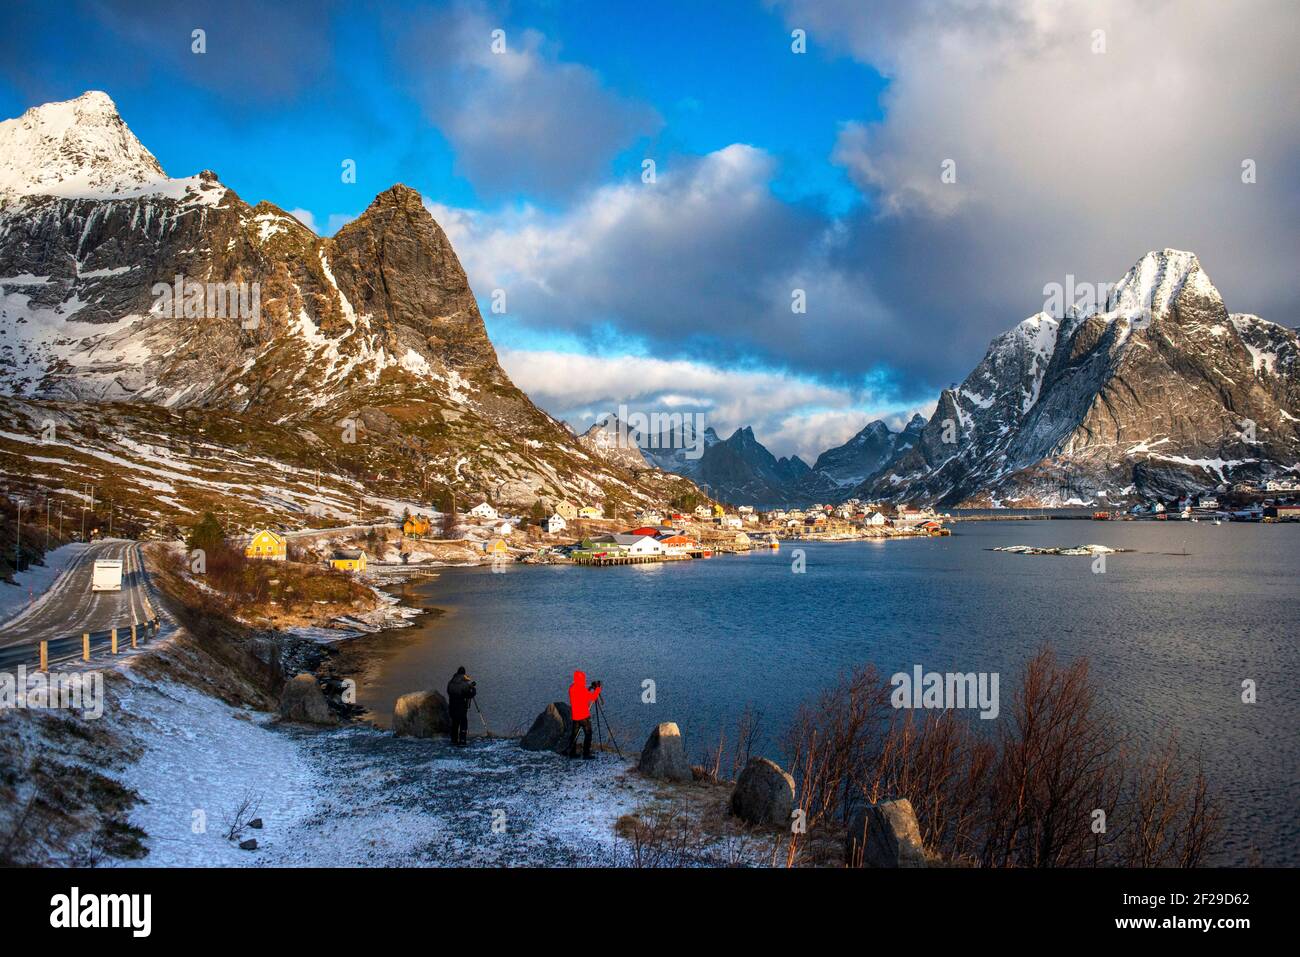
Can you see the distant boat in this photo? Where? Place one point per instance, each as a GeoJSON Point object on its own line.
{"type": "Point", "coordinates": [773, 542]}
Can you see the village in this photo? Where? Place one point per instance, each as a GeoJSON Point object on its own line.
{"type": "Point", "coordinates": [566, 533]}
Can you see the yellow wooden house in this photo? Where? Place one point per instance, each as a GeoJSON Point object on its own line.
{"type": "Point", "coordinates": [416, 525]}
{"type": "Point", "coordinates": [267, 546]}
{"type": "Point", "coordinates": [588, 511]}
{"type": "Point", "coordinates": [497, 548]}
{"type": "Point", "coordinates": [348, 560]}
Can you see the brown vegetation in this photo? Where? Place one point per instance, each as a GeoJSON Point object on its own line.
{"type": "Point", "coordinates": [1057, 785]}
{"type": "Point", "coordinates": [266, 593]}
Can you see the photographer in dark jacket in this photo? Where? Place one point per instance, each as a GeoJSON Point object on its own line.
{"type": "Point", "coordinates": [460, 691]}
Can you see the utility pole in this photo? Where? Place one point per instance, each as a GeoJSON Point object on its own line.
{"type": "Point", "coordinates": [47, 523]}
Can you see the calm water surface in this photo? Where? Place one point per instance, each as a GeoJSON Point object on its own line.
{"type": "Point", "coordinates": [1171, 629]}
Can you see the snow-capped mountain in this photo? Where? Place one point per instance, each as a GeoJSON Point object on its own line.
{"type": "Point", "coordinates": [1160, 392]}
{"type": "Point", "coordinates": [867, 452]}
{"type": "Point", "coordinates": [673, 450]}
{"type": "Point", "coordinates": [615, 442]}
{"type": "Point", "coordinates": [77, 148]}
{"type": "Point", "coordinates": [119, 284]}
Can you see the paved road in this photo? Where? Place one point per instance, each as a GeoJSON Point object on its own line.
{"type": "Point", "coordinates": [70, 608]}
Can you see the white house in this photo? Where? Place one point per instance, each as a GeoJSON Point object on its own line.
{"type": "Point", "coordinates": [483, 510]}
{"type": "Point", "coordinates": [703, 511]}
{"type": "Point", "coordinates": [504, 529]}
{"type": "Point", "coordinates": [640, 544]}
{"type": "Point", "coordinates": [874, 519]}
{"type": "Point", "coordinates": [745, 509]}
{"type": "Point", "coordinates": [555, 524]}
{"type": "Point", "coordinates": [649, 517]}
{"type": "Point", "coordinates": [732, 521]}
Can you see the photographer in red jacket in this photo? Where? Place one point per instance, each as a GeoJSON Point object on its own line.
{"type": "Point", "coordinates": [581, 697]}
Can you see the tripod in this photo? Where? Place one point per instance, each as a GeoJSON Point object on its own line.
{"type": "Point", "coordinates": [601, 716]}
{"type": "Point", "coordinates": [486, 730]}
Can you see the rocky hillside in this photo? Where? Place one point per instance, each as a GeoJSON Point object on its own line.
{"type": "Point", "coordinates": [1160, 392]}
{"type": "Point", "coordinates": [123, 286]}
{"type": "Point", "coordinates": [867, 452]}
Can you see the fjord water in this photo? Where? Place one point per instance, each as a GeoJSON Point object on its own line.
{"type": "Point", "coordinates": [1171, 629]}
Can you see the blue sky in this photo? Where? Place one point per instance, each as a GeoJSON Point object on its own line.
{"type": "Point", "coordinates": [775, 171]}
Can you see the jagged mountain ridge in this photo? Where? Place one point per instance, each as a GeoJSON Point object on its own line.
{"type": "Point", "coordinates": [374, 330]}
{"type": "Point", "coordinates": [867, 452]}
{"type": "Point", "coordinates": [1158, 393]}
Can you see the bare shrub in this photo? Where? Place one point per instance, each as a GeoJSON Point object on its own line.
{"type": "Point", "coordinates": [1168, 817]}
{"type": "Point", "coordinates": [1025, 796]}
{"type": "Point", "coordinates": [239, 816]}
{"type": "Point", "coordinates": [658, 837]}
{"type": "Point", "coordinates": [831, 743]}
{"type": "Point", "coordinates": [1059, 759]}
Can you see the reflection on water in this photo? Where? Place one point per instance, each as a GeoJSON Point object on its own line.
{"type": "Point", "coordinates": [1171, 629]}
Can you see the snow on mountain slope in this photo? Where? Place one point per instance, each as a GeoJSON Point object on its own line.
{"type": "Point", "coordinates": [120, 285]}
{"type": "Point", "coordinates": [1157, 393]}
{"type": "Point", "coordinates": [79, 149]}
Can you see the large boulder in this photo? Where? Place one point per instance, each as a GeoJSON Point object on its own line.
{"type": "Point", "coordinates": [421, 714]}
{"type": "Point", "coordinates": [302, 700]}
{"type": "Point", "coordinates": [764, 794]}
{"type": "Point", "coordinates": [550, 731]}
{"type": "Point", "coordinates": [664, 756]}
{"type": "Point", "coordinates": [885, 835]}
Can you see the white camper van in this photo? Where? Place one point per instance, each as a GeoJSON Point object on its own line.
{"type": "Point", "coordinates": [107, 575]}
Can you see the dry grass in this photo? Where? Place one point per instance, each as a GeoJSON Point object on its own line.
{"type": "Point", "coordinates": [274, 594]}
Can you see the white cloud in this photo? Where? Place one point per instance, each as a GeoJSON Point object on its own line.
{"type": "Point", "coordinates": [1070, 160]}
{"type": "Point", "coordinates": [789, 414]}
{"type": "Point", "coordinates": [702, 263]}
{"type": "Point", "coordinates": [305, 217]}
{"type": "Point", "coordinates": [519, 119]}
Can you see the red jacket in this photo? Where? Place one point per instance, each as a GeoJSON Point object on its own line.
{"type": "Point", "coordinates": [580, 698]}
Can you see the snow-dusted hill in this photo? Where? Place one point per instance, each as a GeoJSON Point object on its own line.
{"type": "Point", "coordinates": [1159, 392]}
{"type": "Point", "coordinates": [119, 284]}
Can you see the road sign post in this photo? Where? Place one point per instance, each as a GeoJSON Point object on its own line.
{"type": "Point", "coordinates": [132, 635]}
{"type": "Point", "coordinates": [85, 646]}
{"type": "Point", "coordinates": [113, 638]}
{"type": "Point", "coordinates": [45, 656]}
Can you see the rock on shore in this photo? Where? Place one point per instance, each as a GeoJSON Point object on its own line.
{"type": "Point", "coordinates": [302, 700]}
{"type": "Point", "coordinates": [664, 756]}
{"type": "Point", "coordinates": [764, 794]}
{"type": "Point", "coordinates": [885, 835]}
{"type": "Point", "coordinates": [550, 730]}
{"type": "Point", "coordinates": [421, 714]}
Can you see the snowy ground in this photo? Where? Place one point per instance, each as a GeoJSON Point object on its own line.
{"type": "Point", "coordinates": [357, 796]}
{"type": "Point", "coordinates": [35, 580]}
{"type": "Point", "coordinates": [202, 758]}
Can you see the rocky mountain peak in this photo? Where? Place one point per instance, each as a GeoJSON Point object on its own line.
{"type": "Point", "coordinates": [266, 329]}
{"type": "Point", "coordinates": [395, 263]}
{"type": "Point", "coordinates": [1143, 396]}
{"type": "Point", "coordinates": [1155, 282]}
{"type": "Point", "coordinates": [73, 148]}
